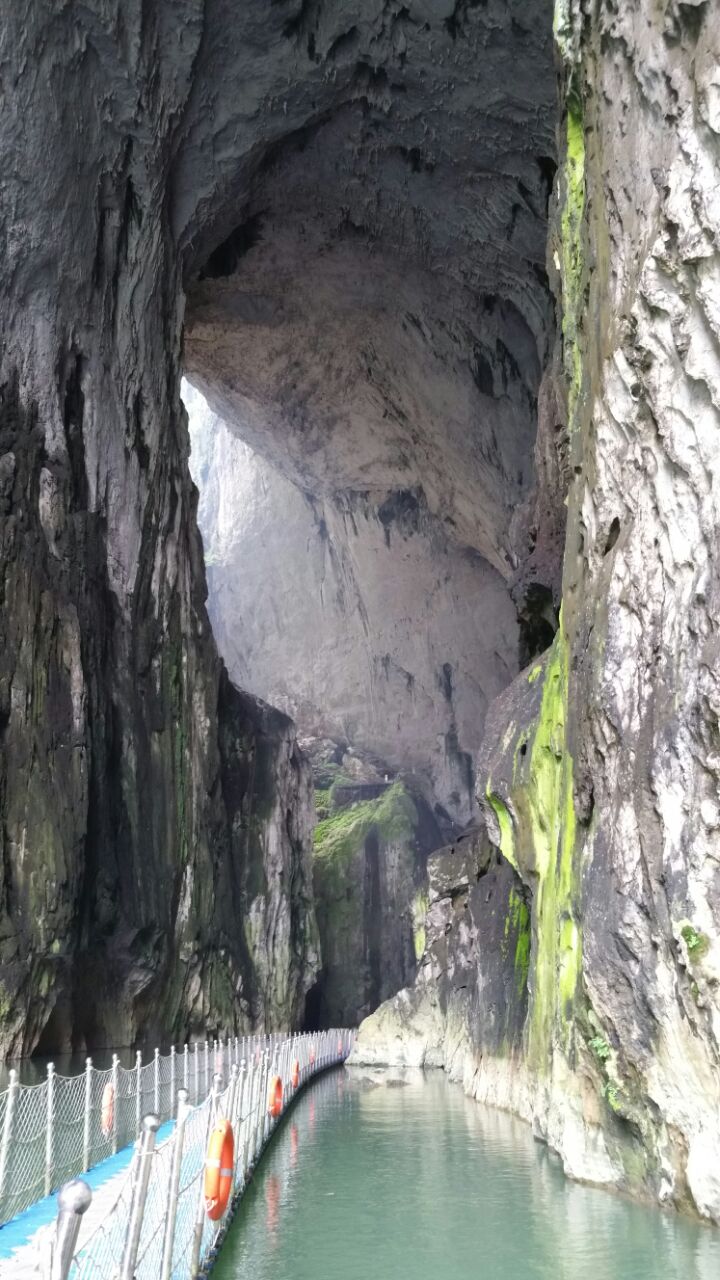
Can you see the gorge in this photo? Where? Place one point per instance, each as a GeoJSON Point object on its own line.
{"type": "Point", "coordinates": [424, 726]}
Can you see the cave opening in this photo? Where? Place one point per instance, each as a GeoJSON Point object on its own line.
{"type": "Point", "coordinates": [368, 348]}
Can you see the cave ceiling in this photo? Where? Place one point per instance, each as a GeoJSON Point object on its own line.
{"type": "Point", "coordinates": [360, 196]}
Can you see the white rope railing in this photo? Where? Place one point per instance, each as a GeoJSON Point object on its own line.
{"type": "Point", "coordinates": [63, 1127]}
{"type": "Point", "coordinates": [157, 1226]}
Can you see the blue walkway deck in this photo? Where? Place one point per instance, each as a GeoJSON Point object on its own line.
{"type": "Point", "coordinates": [20, 1230]}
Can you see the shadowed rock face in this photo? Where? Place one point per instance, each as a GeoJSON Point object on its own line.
{"type": "Point", "coordinates": [363, 621]}
{"type": "Point", "coordinates": [353, 196]}
{"type": "Point", "coordinates": [599, 770]}
{"type": "Point", "coordinates": [375, 327]}
{"type": "Point", "coordinates": [138, 139]}
{"type": "Point", "coordinates": [379, 319]}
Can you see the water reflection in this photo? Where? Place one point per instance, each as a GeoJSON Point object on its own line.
{"type": "Point", "coordinates": [415, 1180]}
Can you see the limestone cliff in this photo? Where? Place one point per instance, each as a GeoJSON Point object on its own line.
{"type": "Point", "coordinates": [364, 281]}
{"type": "Point", "coordinates": [155, 832]}
{"type": "Point", "coordinates": [334, 216]}
{"type": "Point", "coordinates": [363, 620]}
{"type": "Point", "coordinates": [600, 766]}
{"type": "Point", "coordinates": [370, 876]}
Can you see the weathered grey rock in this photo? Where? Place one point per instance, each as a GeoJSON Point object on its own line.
{"type": "Point", "coordinates": [136, 138]}
{"type": "Point", "coordinates": [467, 1008]}
{"type": "Point", "coordinates": [354, 195]}
{"type": "Point", "coordinates": [363, 621]}
{"type": "Point", "coordinates": [150, 872]}
{"type": "Point", "coordinates": [600, 767]}
{"type": "Point", "coordinates": [370, 879]}
{"type": "Point", "coordinates": [378, 318]}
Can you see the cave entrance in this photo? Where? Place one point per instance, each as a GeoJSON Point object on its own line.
{"type": "Point", "coordinates": [369, 328]}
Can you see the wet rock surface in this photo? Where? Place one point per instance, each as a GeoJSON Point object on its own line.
{"type": "Point", "coordinates": [371, 849]}
{"type": "Point", "coordinates": [352, 199]}
{"type": "Point", "coordinates": [597, 773]}
{"type": "Point", "coordinates": [129, 791]}
{"type": "Point", "coordinates": [363, 621]}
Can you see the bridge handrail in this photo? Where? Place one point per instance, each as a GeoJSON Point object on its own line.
{"type": "Point", "coordinates": [176, 1239]}
{"type": "Point", "coordinates": [53, 1130]}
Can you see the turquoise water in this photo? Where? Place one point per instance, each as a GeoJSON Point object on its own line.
{"type": "Point", "coordinates": [417, 1182]}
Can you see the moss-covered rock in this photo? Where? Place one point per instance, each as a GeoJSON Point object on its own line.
{"type": "Point", "coordinates": [370, 883]}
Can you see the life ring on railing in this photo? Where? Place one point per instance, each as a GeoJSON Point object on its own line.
{"type": "Point", "coordinates": [107, 1110]}
{"type": "Point", "coordinates": [219, 1170]}
{"type": "Point", "coordinates": [275, 1097]}
{"type": "Point", "coordinates": [295, 1074]}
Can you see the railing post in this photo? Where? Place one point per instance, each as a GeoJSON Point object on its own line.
{"type": "Point", "coordinates": [88, 1114]}
{"type": "Point", "coordinates": [183, 1111]}
{"type": "Point", "coordinates": [138, 1090]}
{"type": "Point", "coordinates": [240, 1148]}
{"type": "Point", "coordinates": [233, 1112]}
{"type": "Point", "coordinates": [73, 1201]}
{"type": "Point", "coordinates": [186, 1066]}
{"type": "Point", "coordinates": [207, 1068]}
{"type": "Point", "coordinates": [7, 1135]}
{"type": "Point", "coordinates": [197, 1072]}
{"type": "Point", "coordinates": [156, 1098]}
{"type": "Point", "coordinates": [267, 1072]}
{"type": "Point", "coordinates": [116, 1108]}
{"type": "Point", "coordinates": [50, 1128]}
{"type": "Point", "coordinates": [171, 1108]}
{"type": "Point", "coordinates": [151, 1124]}
{"type": "Point", "coordinates": [216, 1089]}
{"type": "Point", "coordinates": [200, 1214]}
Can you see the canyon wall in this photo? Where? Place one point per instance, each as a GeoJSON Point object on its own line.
{"type": "Point", "coordinates": [156, 824]}
{"type": "Point", "coordinates": [361, 619]}
{"type": "Point", "coordinates": [365, 291]}
{"type": "Point", "coordinates": [599, 774]}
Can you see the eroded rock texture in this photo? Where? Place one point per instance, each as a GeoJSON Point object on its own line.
{"type": "Point", "coordinates": [378, 319]}
{"type": "Point", "coordinates": [600, 765]}
{"type": "Point", "coordinates": [371, 849]}
{"type": "Point", "coordinates": [364, 621]}
{"type": "Point", "coordinates": [155, 824]}
{"type": "Point", "coordinates": [470, 997]}
{"type": "Point", "coordinates": [377, 174]}
{"type": "Point", "coordinates": [375, 326]}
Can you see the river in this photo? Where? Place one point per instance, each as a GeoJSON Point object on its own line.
{"type": "Point", "coordinates": [417, 1182]}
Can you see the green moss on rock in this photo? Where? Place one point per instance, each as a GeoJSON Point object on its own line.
{"type": "Point", "coordinates": [342, 833]}
{"type": "Point", "coordinates": [572, 266]}
{"type": "Point", "coordinates": [537, 838]}
{"type": "Point", "coordinates": [419, 912]}
{"type": "Point", "coordinates": [695, 941]}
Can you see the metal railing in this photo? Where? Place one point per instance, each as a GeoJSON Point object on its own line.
{"type": "Point", "coordinates": [157, 1227]}
{"type": "Point", "coordinates": [52, 1131]}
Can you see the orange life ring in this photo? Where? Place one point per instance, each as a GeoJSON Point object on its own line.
{"type": "Point", "coordinates": [219, 1170]}
{"type": "Point", "coordinates": [275, 1097]}
{"type": "Point", "coordinates": [295, 1074]}
{"type": "Point", "coordinates": [107, 1110]}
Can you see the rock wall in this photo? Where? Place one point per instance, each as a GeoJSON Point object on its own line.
{"type": "Point", "coordinates": [362, 620]}
{"type": "Point", "coordinates": [469, 1002]}
{"type": "Point", "coordinates": [155, 833]}
{"type": "Point", "coordinates": [369, 872]}
{"type": "Point", "coordinates": [600, 770]}
{"type": "Point", "coordinates": [150, 151]}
